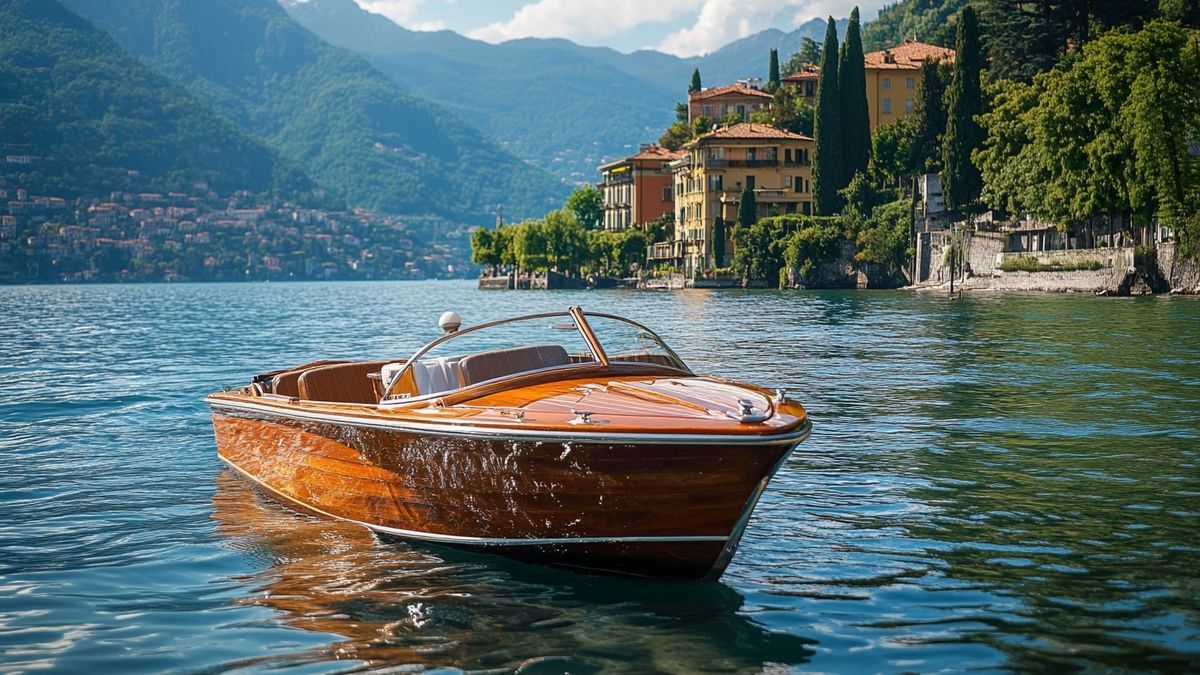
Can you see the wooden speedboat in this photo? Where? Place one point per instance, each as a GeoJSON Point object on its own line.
{"type": "Point", "coordinates": [574, 439]}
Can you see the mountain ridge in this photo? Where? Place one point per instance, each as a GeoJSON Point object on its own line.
{"type": "Point", "coordinates": [327, 109]}
{"type": "Point", "coordinates": [616, 100]}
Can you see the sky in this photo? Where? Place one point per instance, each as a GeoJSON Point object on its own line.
{"type": "Point", "coordinates": [680, 27]}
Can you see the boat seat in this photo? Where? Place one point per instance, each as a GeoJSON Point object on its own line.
{"type": "Point", "coordinates": [501, 362]}
{"type": "Point", "coordinates": [340, 383]}
{"type": "Point", "coordinates": [287, 382]}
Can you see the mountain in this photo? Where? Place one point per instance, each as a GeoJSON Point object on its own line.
{"type": "Point", "coordinates": [81, 116]}
{"type": "Point", "coordinates": [556, 104]}
{"type": "Point", "coordinates": [327, 109]}
{"type": "Point", "coordinates": [932, 21]}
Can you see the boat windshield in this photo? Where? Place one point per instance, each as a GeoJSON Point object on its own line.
{"type": "Point", "coordinates": [625, 341]}
{"type": "Point", "coordinates": [503, 349]}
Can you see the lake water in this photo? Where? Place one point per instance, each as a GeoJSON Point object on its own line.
{"type": "Point", "coordinates": [995, 483]}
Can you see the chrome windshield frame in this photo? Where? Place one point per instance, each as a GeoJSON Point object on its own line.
{"type": "Point", "coordinates": [578, 316]}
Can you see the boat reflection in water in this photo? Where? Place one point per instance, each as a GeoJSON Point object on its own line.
{"type": "Point", "coordinates": [394, 603]}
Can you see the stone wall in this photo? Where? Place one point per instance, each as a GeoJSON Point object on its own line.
{"type": "Point", "coordinates": [1183, 275]}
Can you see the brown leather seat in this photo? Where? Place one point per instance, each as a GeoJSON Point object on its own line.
{"type": "Point", "coordinates": [286, 383]}
{"type": "Point", "coordinates": [340, 383]}
{"type": "Point", "coordinates": [500, 362]}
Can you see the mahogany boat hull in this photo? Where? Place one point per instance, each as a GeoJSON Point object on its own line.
{"type": "Point", "coordinates": [669, 508]}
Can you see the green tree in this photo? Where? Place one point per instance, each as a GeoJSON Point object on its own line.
{"type": "Point", "coordinates": [675, 136]}
{"type": "Point", "coordinates": [695, 85]}
{"type": "Point", "coordinates": [773, 80]}
{"type": "Point", "coordinates": [811, 242]}
{"type": "Point", "coordinates": [852, 89]}
{"type": "Point", "coordinates": [587, 203]}
{"type": "Point", "coordinates": [747, 208]}
{"type": "Point", "coordinates": [893, 155]}
{"type": "Point", "coordinates": [483, 248]}
{"type": "Point", "coordinates": [961, 182]}
{"type": "Point", "coordinates": [789, 111]}
{"type": "Point", "coordinates": [718, 241]}
{"type": "Point", "coordinates": [828, 170]}
{"type": "Point", "coordinates": [1104, 133]}
{"type": "Point", "coordinates": [810, 53]}
{"type": "Point", "coordinates": [929, 117]}
{"type": "Point", "coordinates": [529, 246]}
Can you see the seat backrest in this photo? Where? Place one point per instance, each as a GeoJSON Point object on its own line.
{"type": "Point", "coordinates": [286, 383]}
{"type": "Point", "coordinates": [500, 362]}
{"type": "Point", "coordinates": [340, 383]}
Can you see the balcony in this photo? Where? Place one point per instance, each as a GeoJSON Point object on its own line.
{"type": "Point", "coordinates": [797, 162]}
{"type": "Point", "coordinates": [741, 163]}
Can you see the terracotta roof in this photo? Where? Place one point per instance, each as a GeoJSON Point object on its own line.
{"type": "Point", "coordinates": [807, 72]}
{"type": "Point", "coordinates": [649, 152]}
{"type": "Point", "coordinates": [657, 152]}
{"type": "Point", "coordinates": [750, 131]}
{"type": "Point", "coordinates": [728, 89]}
{"type": "Point", "coordinates": [907, 56]}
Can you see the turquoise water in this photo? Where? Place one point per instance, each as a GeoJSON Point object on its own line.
{"type": "Point", "coordinates": [996, 483]}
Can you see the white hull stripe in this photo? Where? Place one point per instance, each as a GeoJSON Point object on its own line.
{"type": "Point", "coordinates": [463, 430]}
{"type": "Point", "coordinates": [476, 541]}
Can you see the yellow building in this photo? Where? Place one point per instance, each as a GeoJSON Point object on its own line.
{"type": "Point", "coordinates": [893, 79]}
{"type": "Point", "coordinates": [709, 180]}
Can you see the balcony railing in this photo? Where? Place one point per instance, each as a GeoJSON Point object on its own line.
{"type": "Point", "coordinates": [796, 162]}
{"type": "Point", "coordinates": [740, 163]}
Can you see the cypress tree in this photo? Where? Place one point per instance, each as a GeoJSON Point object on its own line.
{"type": "Point", "coordinates": [747, 209]}
{"type": "Point", "coordinates": [929, 118]}
{"type": "Point", "coordinates": [695, 85]}
{"type": "Point", "coordinates": [718, 241]}
{"type": "Point", "coordinates": [852, 86]}
{"type": "Point", "coordinates": [827, 130]}
{"type": "Point", "coordinates": [961, 182]}
{"type": "Point", "coordinates": [773, 80]}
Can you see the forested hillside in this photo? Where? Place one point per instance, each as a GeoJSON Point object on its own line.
{"type": "Point", "coordinates": [80, 116]}
{"type": "Point", "coordinates": [328, 110]}
{"type": "Point", "coordinates": [556, 104]}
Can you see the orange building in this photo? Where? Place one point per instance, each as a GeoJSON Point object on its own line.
{"type": "Point", "coordinates": [714, 104]}
{"type": "Point", "coordinates": [893, 79]}
{"type": "Point", "coordinates": [638, 189]}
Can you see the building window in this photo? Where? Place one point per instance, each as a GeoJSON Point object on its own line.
{"type": "Point", "coordinates": [715, 182]}
{"type": "Point", "coordinates": [806, 208]}
{"type": "Point", "coordinates": [797, 184]}
{"type": "Point", "coordinates": [802, 155]}
{"type": "Point", "coordinates": [708, 111]}
{"type": "Point", "coordinates": [809, 91]}
{"type": "Point", "coordinates": [716, 153]}
{"type": "Point", "coordinates": [885, 106]}
{"type": "Point", "coordinates": [910, 83]}
{"type": "Point", "coordinates": [750, 182]}
{"type": "Point", "coordinates": [667, 196]}
{"type": "Point", "coordinates": [887, 83]}
{"type": "Point", "coordinates": [787, 181]}
{"type": "Point", "coordinates": [908, 106]}
{"type": "Point", "coordinates": [741, 111]}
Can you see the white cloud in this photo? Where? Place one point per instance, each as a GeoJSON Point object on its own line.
{"type": "Point", "coordinates": [400, 11]}
{"type": "Point", "coordinates": [583, 21]}
{"type": "Point", "coordinates": [721, 21]}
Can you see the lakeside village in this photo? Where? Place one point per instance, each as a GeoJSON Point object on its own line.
{"type": "Point", "coordinates": [901, 167]}
{"type": "Point", "coordinates": [201, 236]}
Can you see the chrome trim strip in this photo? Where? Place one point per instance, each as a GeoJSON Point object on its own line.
{"type": "Point", "coordinates": [735, 537]}
{"type": "Point", "coordinates": [474, 541]}
{"type": "Point", "coordinates": [515, 433]}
